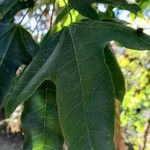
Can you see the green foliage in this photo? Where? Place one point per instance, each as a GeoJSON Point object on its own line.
{"type": "Point", "coordinates": [136, 102]}
{"type": "Point", "coordinates": [85, 8]}
{"type": "Point", "coordinates": [83, 80]}
{"type": "Point", "coordinates": [71, 82]}
{"type": "Point", "coordinates": [117, 76]}
{"type": "Point", "coordinates": [62, 13]}
{"type": "Point", "coordinates": [117, 3]}
{"type": "Point", "coordinates": [16, 48]}
{"type": "Point", "coordinates": [9, 8]}
{"type": "Point", "coordinates": [5, 6]}
{"type": "Point", "coordinates": [143, 4]}
{"type": "Point", "coordinates": [40, 120]}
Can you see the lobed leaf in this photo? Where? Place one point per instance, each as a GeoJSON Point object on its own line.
{"type": "Point", "coordinates": [16, 48]}
{"type": "Point", "coordinates": [85, 91]}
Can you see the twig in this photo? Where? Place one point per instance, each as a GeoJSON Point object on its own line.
{"type": "Point", "coordinates": [2, 122]}
{"type": "Point", "coordinates": [39, 19]}
{"type": "Point", "coordinates": [52, 15]}
{"type": "Point", "coordinates": [146, 135]}
{"type": "Point", "coordinates": [24, 16]}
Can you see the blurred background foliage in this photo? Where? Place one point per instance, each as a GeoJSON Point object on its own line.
{"type": "Point", "coordinates": [136, 105]}
{"type": "Point", "coordinates": [44, 17]}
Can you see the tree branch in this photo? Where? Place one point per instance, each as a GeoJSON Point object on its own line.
{"type": "Point", "coordinates": [146, 135]}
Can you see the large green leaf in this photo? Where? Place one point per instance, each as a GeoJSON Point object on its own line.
{"type": "Point", "coordinates": [40, 120]}
{"type": "Point", "coordinates": [85, 90]}
{"type": "Point", "coordinates": [117, 75]}
{"type": "Point", "coordinates": [16, 47]}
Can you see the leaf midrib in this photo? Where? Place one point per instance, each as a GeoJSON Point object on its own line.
{"type": "Point", "coordinates": [81, 89]}
{"type": "Point", "coordinates": [45, 116]}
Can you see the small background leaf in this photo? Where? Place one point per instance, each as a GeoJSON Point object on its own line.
{"type": "Point", "coordinates": [117, 75]}
{"type": "Point", "coordinates": [40, 120]}
{"type": "Point", "coordinates": [16, 48]}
